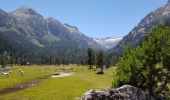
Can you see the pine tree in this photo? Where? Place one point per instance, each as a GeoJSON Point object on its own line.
{"type": "Point", "coordinates": [100, 61]}
{"type": "Point", "coordinates": [90, 57]}
{"type": "Point", "coordinates": [5, 59]}
{"type": "Point", "coordinates": [147, 65]}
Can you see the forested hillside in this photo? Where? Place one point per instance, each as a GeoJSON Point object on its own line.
{"type": "Point", "coordinates": [28, 37]}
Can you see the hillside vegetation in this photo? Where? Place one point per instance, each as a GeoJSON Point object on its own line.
{"type": "Point", "coordinates": [147, 65]}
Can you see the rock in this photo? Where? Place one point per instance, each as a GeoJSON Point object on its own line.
{"type": "Point", "coordinates": [125, 92]}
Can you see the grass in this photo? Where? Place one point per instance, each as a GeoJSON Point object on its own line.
{"type": "Point", "coordinates": [30, 73]}
{"type": "Point", "coordinates": [66, 88]}
{"type": "Point", "coordinates": [15, 77]}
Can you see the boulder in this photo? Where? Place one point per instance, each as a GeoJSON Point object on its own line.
{"type": "Point", "coordinates": [125, 92]}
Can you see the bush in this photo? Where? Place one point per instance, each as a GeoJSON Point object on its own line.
{"type": "Point", "coordinates": [147, 65]}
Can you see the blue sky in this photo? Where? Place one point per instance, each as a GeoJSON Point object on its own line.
{"type": "Point", "coordinates": [95, 18]}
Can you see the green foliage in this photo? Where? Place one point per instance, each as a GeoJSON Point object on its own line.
{"type": "Point", "coordinates": [100, 61]}
{"type": "Point", "coordinates": [90, 57]}
{"type": "Point", "coordinates": [23, 51]}
{"type": "Point", "coordinates": [5, 59]}
{"type": "Point", "coordinates": [30, 73]}
{"type": "Point", "coordinates": [147, 65]}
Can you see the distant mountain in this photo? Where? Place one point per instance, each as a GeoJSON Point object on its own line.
{"type": "Point", "coordinates": [108, 42]}
{"type": "Point", "coordinates": [42, 35]}
{"type": "Point", "coordinates": [160, 15]}
{"type": "Point", "coordinates": [46, 31]}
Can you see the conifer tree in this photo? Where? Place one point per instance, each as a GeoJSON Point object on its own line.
{"type": "Point", "coordinates": [90, 57]}
{"type": "Point", "coordinates": [100, 61]}
{"type": "Point", "coordinates": [147, 65]}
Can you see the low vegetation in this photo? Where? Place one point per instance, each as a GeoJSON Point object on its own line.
{"type": "Point", "coordinates": [29, 73]}
{"type": "Point", "coordinates": [65, 88]}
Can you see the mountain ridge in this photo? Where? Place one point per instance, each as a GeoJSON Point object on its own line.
{"type": "Point", "coordinates": [23, 10]}
{"type": "Point", "coordinates": [135, 36]}
{"type": "Point", "coordinates": [29, 36]}
{"type": "Point", "coordinates": [37, 25]}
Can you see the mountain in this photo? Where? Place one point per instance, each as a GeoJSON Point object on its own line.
{"type": "Point", "coordinates": [108, 42]}
{"type": "Point", "coordinates": [42, 32]}
{"type": "Point", "coordinates": [47, 31]}
{"type": "Point", "coordinates": [42, 37]}
{"type": "Point", "coordinates": [160, 15]}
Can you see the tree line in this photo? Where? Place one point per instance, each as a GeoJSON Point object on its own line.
{"type": "Point", "coordinates": [22, 52]}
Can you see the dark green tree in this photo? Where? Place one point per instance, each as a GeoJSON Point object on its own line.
{"type": "Point", "coordinates": [90, 57]}
{"type": "Point", "coordinates": [100, 61]}
{"type": "Point", "coordinates": [5, 59]}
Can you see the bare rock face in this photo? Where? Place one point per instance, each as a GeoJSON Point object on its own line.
{"type": "Point", "coordinates": [125, 92]}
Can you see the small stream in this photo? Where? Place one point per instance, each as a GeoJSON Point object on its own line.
{"type": "Point", "coordinates": [21, 87]}
{"type": "Point", "coordinates": [31, 84]}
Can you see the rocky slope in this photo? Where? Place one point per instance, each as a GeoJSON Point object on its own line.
{"type": "Point", "coordinates": [160, 15]}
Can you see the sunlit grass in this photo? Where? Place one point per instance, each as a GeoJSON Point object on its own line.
{"type": "Point", "coordinates": [66, 88]}
{"type": "Point", "coordinates": [30, 73]}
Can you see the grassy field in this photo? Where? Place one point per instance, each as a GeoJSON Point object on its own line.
{"type": "Point", "coordinates": [65, 88]}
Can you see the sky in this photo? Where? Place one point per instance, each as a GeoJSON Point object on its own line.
{"type": "Point", "coordinates": [94, 18]}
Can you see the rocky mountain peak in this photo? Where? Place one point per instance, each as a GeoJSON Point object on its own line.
{"type": "Point", "coordinates": [69, 26]}
{"type": "Point", "coordinates": [72, 29]}
{"type": "Point", "coordinates": [53, 20]}
{"type": "Point", "coordinates": [25, 11]}
{"type": "Point", "coordinates": [2, 12]}
{"type": "Point", "coordinates": [168, 1]}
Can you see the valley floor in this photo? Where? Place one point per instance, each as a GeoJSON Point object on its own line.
{"type": "Point", "coordinates": [59, 88]}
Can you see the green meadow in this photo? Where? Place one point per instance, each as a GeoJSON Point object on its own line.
{"type": "Point", "coordinates": [61, 88]}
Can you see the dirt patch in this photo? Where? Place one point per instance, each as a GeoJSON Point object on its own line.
{"type": "Point", "coordinates": [61, 75]}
